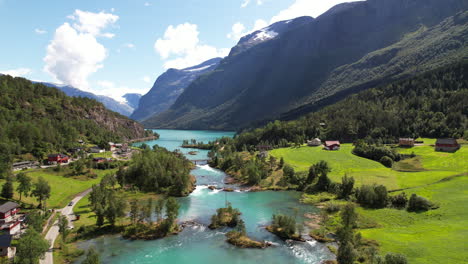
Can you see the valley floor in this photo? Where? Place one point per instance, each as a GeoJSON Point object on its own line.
{"type": "Point", "coordinates": [436, 236]}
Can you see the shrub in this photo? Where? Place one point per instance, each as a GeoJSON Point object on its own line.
{"type": "Point", "coordinates": [399, 201]}
{"type": "Point", "coordinates": [392, 258]}
{"type": "Point", "coordinates": [372, 196]}
{"type": "Point", "coordinates": [417, 203]}
{"type": "Point", "coordinates": [332, 207]}
{"type": "Point", "coordinates": [386, 161]}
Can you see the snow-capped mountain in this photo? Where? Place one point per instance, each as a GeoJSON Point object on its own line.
{"type": "Point", "coordinates": [265, 34]}
{"type": "Point", "coordinates": [168, 87]}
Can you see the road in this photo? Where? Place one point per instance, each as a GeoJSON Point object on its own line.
{"type": "Point", "coordinates": [54, 230]}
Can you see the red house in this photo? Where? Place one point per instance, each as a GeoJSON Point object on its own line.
{"type": "Point", "coordinates": [332, 145]}
{"type": "Point", "coordinates": [447, 145]}
{"type": "Point", "coordinates": [7, 211]}
{"type": "Point", "coordinates": [9, 220]}
{"type": "Point", "coordinates": [58, 158]}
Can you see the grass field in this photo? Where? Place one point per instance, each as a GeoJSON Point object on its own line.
{"type": "Point", "coordinates": [63, 189]}
{"type": "Point", "coordinates": [435, 165]}
{"type": "Point", "coordinates": [436, 236]}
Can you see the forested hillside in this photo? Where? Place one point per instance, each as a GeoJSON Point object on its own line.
{"type": "Point", "coordinates": [39, 120]}
{"type": "Point", "coordinates": [432, 105]}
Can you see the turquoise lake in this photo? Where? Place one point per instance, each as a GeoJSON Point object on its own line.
{"type": "Point", "coordinates": [198, 244]}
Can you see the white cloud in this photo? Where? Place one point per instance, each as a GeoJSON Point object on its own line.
{"type": "Point", "coordinates": [313, 8]}
{"type": "Point", "coordinates": [129, 45]}
{"type": "Point", "coordinates": [93, 23]}
{"type": "Point", "coordinates": [40, 31]}
{"type": "Point", "coordinates": [115, 91]}
{"type": "Point", "coordinates": [182, 42]}
{"type": "Point", "coordinates": [147, 4]}
{"type": "Point", "coordinates": [245, 3]}
{"type": "Point", "coordinates": [20, 72]}
{"type": "Point", "coordinates": [75, 53]}
{"type": "Point", "coordinates": [146, 79]}
{"type": "Point", "coordinates": [239, 30]}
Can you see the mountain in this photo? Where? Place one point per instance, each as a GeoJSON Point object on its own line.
{"type": "Point", "coordinates": [108, 102]}
{"type": "Point", "coordinates": [168, 87]}
{"type": "Point", "coordinates": [425, 105]}
{"type": "Point", "coordinates": [133, 99]}
{"type": "Point", "coordinates": [353, 46]}
{"type": "Point", "coordinates": [40, 120]}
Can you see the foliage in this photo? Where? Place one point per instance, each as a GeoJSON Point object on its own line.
{"type": "Point", "coordinates": [346, 187]}
{"type": "Point", "coordinates": [227, 216]}
{"type": "Point", "coordinates": [41, 120]}
{"type": "Point", "coordinates": [372, 196]}
{"type": "Point", "coordinates": [63, 227]}
{"type": "Point", "coordinates": [399, 201]}
{"type": "Point", "coordinates": [31, 247]}
{"type": "Point", "coordinates": [7, 188]}
{"type": "Point", "coordinates": [41, 191]}
{"type": "Point", "coordinates": [377, 153]}
{"type": "Point", "coordinates": [283, 226]}
{"type": "Point", "coordinates": [92, 257]}
{"type": "Point", "coordinates": [25, 184]}
{"type": "Point", "coordinates": [158, 171]}
{"type": "Point", "coordinates": [427, 105]}
{"type": "Point", "coordinates": [105, 204]}
{"type": "Point", "coordinates": [417, 203]}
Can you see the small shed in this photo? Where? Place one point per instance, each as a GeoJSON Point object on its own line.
{"type": "Point", "coordinates": [406, 142]}
{"type": "Point", "coordinates": [314, 142]}
{"type": "Point", "coordinates": [447, 145]}
{"type": "Point", "coordinates": [6, 250]}
{"type": "Point", "coordinates": [57, 158]}
{"type": "Point", "coordinates": [96, 149]}
{"type": "Point", "coordinates": [332, 145]}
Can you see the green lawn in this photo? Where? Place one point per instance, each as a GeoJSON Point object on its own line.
{"type": "Point", "coordinates": [436, 236]}
{"type": "Point", "coordinates": [63, 189]}
{"type": "Point", "coordinates": [436, 165]}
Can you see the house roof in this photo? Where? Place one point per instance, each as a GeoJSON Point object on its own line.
{"type": "Point", "coordinates": [333, 142]}
{"type": "Point", "coordinates": [407, 139]}
{"type": "Point", "coordinates": [5, 241]}
{"type": "Point", "coordinates": [8, 206]}
{"type": "Point", "coordinates": [446, 141]}
{"type": "Point", "coordinates": [57, 155]}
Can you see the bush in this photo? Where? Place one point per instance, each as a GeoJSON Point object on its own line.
{"type": "Point", "coordinates": [332, 207]}
{"type": "Point", "coordinates": [392, 258]}
{"type": "Point", "coordinates": [372, 196]}
{"type": "Point", "coordinates": [399, 201]}
{"type": "Point", "coordinates": [386, 161]}
{"type": "Point", "coordinates": [417, 203]}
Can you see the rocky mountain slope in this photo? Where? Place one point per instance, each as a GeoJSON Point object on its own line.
{"type": "Point", "coordinates": [109, 103]}
{"type": "Point", "coordinates": [168, 87]}
{"type": "Point", "coordinates": [352, 46]}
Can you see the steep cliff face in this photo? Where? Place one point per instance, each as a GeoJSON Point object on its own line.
{"type": "Point", "coordinates": [311, 61]}
{"type": "Point", "coordinates": [168, 87]}
{"type": "Point", "coordinates": [120, 125]}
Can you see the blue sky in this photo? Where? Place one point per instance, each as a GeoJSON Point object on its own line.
{"type": "Point", "coordinates": [119, 46]}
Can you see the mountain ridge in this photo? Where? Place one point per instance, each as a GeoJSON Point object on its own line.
{"type": "Point", "coordinates": [282, 74]}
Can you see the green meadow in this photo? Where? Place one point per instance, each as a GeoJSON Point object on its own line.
{"type": "Point", "coordinates": [436, 236]}
{"type": "Point", "coordinates": [63, 187]}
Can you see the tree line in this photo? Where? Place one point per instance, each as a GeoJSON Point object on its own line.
{"type": "Point", "coordinates": [428, 105]}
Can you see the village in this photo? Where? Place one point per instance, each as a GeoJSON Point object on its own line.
{"type": "Point", "coordinates": [14, 221]}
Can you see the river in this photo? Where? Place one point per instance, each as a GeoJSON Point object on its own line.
{"type": "Point", "coordinates": [198, 244]}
